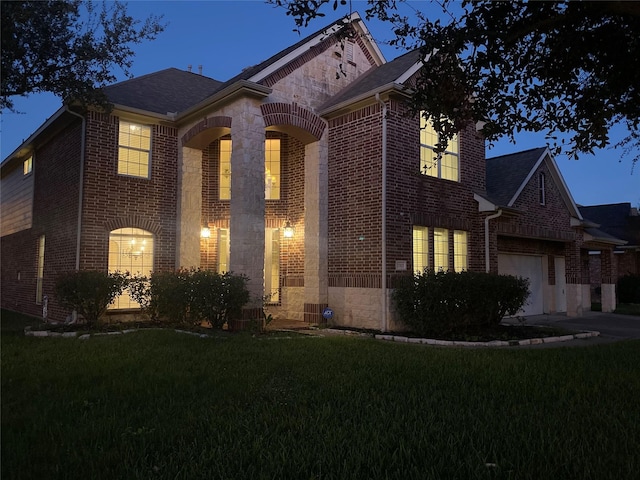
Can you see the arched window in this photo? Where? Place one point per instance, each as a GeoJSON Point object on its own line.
{"type": "Point", "coordinates": [130, 250]}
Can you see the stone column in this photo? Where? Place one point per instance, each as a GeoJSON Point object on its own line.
{"type": "Point", "coordinates": [607, 282]}
{"type": "Point", "coordinates": [247, 205]}
{"type": "Point", "coordinates": [316, 276]}
{"type": "Point", "coordinates": [189, 207]}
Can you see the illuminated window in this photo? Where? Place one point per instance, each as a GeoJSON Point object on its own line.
{"type": "Point", "coordinates": [448, 165]}
{"type": "Point", "coordinates": [541, 188]}
{"type": "Point", "coordinates": [27, 166]}
{"type": "Point", "coordinates": [134, 147]}
{"type": "Point", "coordinates": [223, 250]}
{"type": "Point", "coordinates": [225, 169]}
{"type": "Point", "coordinates": [130, 250]}
{"type": "Point", "coordinates": [40, 272]}
{"type": "Point", "coordinates": [272, 265]}
{"type": "Point", "coordinates": [460, 257]}
{"type": "Point", "coordinates": [440, 249]}
{"type": "Point", "coordinates": [272, 169]}
{"type": "Point", "coordinates": [420, 249]}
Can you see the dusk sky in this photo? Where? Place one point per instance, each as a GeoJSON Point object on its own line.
{"type": "Point", "coordinates": [227, 36]}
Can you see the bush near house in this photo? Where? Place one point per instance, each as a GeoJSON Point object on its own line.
{"type": "Point", "coordinates": [445, 301]}
{"type": "Point", "coordinates": [89, 292]}
{"type": "Point", "coordinates": [191, 296]}
{"type": "Point", "coordinates": [629, 288]}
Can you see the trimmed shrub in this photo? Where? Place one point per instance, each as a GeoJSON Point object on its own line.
{"type": "Point", "coordinates": [629, 288]}
{"type": "Point", "coordinates": [445, 301]}
{"type": "Point", "coordinates": [191, 296]}
{"type": "Point", "coordinates": [89, 292]}
{"type": "Point", "coordinates": [217, 298]}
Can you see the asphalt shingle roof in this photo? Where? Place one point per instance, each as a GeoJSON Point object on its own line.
{"type": "Point", "coordinates": [374, 78]}
{"type": "Point", "coordinates": [169, 90]}
{"type": "Point", "coordinates": [615, 219]}
{"type": "Point", "coordinates": [506, 173]}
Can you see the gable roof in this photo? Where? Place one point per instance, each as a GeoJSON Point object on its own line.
{"type": "Point", "coordinates": [618, 220]}
{"type": "Point", "coordinates": [507, 175]}
{"type": "Point", "coordinates": [393, 73]}
{"type": "Point", "coordinates": [167, 91]}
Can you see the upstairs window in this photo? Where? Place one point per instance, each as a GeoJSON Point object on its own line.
{"type": "Point", "coordinates": [27, 166]}
{"type": "Point", "coordinates": [225, 169]}
{"type": "Point", "coordinates": [272, 169]}
{"type": "Point", "coordinates": [448, 165]}
{"type": "Point", "coordinates": [541, 189]}
{"type": "Point", "coordinates": [134, 149]}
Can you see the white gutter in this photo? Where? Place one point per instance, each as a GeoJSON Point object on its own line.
{"type": "Point", "coordinates": [81, 184]}
{"type": "Point", "coordinates": [486, 237]}
{"type": "Point", "coordinates": [384, 214]}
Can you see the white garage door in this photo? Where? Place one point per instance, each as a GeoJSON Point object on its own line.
{"type": "Point", "coordinates": [530, 267]}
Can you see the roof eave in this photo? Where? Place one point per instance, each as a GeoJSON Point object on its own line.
{"type": "Point", "coordinates": [236, 89]}
{"type": "Point", "coordinates": [346, 105]}
{"type": "Point", "coordinates": [26, 146]}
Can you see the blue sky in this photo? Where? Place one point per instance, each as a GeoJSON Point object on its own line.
{"type": "Point", "coordinates": [227, 36]}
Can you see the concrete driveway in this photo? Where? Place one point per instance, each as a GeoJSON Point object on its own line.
{"type": "Point", "coordinates": [612, 327]}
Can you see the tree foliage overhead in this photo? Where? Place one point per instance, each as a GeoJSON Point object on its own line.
{"type": "Point", "coordinates": [565, 68]}
{"type": "Point", "coordinates": [68, 48]}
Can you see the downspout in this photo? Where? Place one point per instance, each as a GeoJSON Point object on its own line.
{"type": "Point", "coordinates": [81, 184]}
{"type": "Point", "coordinates": [383, 285]}
{"type": "Point", "coordinates": [486, 237]}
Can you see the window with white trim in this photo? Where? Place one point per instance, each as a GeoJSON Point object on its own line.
{"type": "Point", "coordinates": [223, 250]}
{"type": "Point", "coordinates": [134, 149]}
{"type": "Point", "coordinates": [40, 270]}
{"type": "Point", "coordinates": [460, 251]}
{"type": "Point", "coordinates": [420, 249]}
{"type": "Point", "coordinates": [440, 249]}
{"type": "Point", "coordinates": [447, 164]}
{"type": "Point", "coordinates": [27, 166]}
{"type": "Point", "coordinates": [225, 169]}
{"type": "Point", "coordinates": [272, 169]}
{"type": "Point", "coordinates": [130, 250]}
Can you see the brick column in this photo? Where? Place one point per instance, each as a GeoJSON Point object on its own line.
{"type": "Point", "coordinates": [316, 272]}
{"type": "Point", "coordinates": [189, 207]}
{"type": "Point", "coordinates": [247, 205]}
{"type": "Point", "coordinates": [607, 282]}
{"type": "Point", "coordinates": [573, 273]}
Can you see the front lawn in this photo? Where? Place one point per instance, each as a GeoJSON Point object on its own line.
{"type": "Point", "coordinates": [158, 404]}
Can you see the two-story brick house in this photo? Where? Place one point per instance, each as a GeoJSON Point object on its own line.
{"type": "Point", "coordinates": [321, 188]}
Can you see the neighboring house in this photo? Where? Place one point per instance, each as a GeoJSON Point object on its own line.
{"type": "Point", "coordinates": [321, 188]}
{"type": "Point", "coordinates": [619, 220]}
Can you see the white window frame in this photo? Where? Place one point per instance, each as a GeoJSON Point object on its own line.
{"type": "Point", "coordinates": [27, 166]}
{"type": "Point", "coordinates": [438, 166]}
{"type": "Point", "coordinates": [124, 164]}
{"type": "Point", "coordinates": [420, 248]}
{"type": "Point", "coordinates": [460, 250]}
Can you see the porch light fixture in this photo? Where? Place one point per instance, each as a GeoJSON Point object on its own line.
{"type": "Point", "coordinates": [205, 232]}
{"type": "Point", "coordinates": [288, 230]}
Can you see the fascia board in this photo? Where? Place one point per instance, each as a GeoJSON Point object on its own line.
{"type": "Point", "coordinates": [235, 89]}
{"type": "Point", "coordinates": [528, 177]}
{"type": "Point", "coordinates": [25, 146]}
{"type": "Point", "coordinates": [354, 19]}
{"type": "Point", "coordinates": [388, 88]}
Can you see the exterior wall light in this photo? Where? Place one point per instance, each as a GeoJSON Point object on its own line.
{"type": "Point", "coordinates": [205, 232]}
{"type": "Point", "coordinates": [288, 230]}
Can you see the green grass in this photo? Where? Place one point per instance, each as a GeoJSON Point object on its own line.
{"type": "Point", "coordinates": [158, 404]}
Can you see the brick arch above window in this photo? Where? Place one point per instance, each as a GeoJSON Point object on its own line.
{"type": "Point", "coordinates": [293, 119]}
{"type": "Point", "coordinates": [206, 131]}
{"type": "Point", "coordinates": [134, 221]}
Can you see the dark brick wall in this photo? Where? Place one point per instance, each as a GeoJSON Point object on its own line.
{"type": "Point", "coordinates": [412, 198]}
{"type": "Point", "coordinates": [55, 212]}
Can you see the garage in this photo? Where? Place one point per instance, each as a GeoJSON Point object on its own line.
{"type": "Point", "coordinates": [527, 266]}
